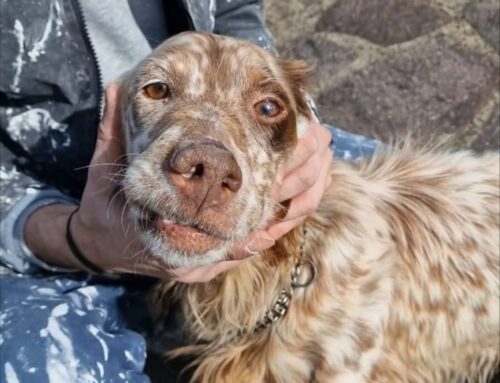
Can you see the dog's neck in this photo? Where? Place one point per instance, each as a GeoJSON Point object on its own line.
{"type": "Point", "coordinates": [219, 312]}
{"type": "Point", "coordinates": [237, 301]}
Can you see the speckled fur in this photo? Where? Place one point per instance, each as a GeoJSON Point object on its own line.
{"type": "Point", "coordinates": [407, 249]}
{"type": "Point", "coordinates": [406, 243]}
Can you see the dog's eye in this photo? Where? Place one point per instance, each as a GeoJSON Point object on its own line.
{"type": "Point", "coordinates": [268, 108]}
{"type": "Point", "coordinates": [156, 91]}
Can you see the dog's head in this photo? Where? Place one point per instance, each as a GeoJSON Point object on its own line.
{"type": "Point", "coordinates": [208, 120]}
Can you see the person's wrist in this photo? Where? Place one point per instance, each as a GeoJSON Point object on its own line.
{"type": "Point", "coordinates": [86, 238]}
{"type": "Point", "coordinates": [44, 235]}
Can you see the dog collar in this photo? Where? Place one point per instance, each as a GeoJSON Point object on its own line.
{"type": "Point", "coordinates": [282, 303]}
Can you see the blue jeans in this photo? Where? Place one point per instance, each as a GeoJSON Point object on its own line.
{"type": "Point", "coordinates": [73, 328]}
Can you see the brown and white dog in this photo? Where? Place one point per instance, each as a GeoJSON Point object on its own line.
{"type": "Point", "coordinates": [405, 244]}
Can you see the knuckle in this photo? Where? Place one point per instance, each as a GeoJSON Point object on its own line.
{"type": "Point", "coordinates": [326, 134]}
{"type": "Point", "coordinates": [307, 177]}
{"type": "Point", "coordinates": [310, 144]}
{"type": "Point", "coordinates": [326, 138]}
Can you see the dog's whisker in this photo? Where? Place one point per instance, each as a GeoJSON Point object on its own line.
{"type": "Point", "coordinates": [118, 190]}
{"type": "Point", "coordinates": [107, 164]}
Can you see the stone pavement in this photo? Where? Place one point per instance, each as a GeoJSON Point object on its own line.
{"type": "Point", "coordinates": [386, 67]}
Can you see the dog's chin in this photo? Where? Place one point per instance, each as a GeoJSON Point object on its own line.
{"type": "Point", "coordinates": [183, 245]}
{"type": "Point", "coordinates": [175, 256]}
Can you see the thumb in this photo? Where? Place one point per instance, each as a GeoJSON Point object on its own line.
{"type": "Point", "coordinates": [108, 150]}
{"type": "Point", "coordinates": [108, 146]}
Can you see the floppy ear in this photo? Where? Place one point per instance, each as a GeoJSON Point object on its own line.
{"type": "Point", "coordinates": [297, 74]}
{"type": "Point", "coordinates": [297, 71]}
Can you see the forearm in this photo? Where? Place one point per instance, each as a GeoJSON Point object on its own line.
{"type": "Point", "coordinates": [21, 195]}
{"type": "Point", "coordinates": [44, 235]}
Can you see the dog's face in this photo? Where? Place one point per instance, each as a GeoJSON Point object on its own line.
{"type": "Point", "coordinates": [208, 121]}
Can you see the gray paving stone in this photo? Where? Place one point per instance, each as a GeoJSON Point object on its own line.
{"type": "Point", "coordinates": [488, 134]}
{"type": "Point", "coordinates": [435, 87]}
{"type": "Point", "coordinates": [484, 16]}
{"type": "Point", "coordinates": [325, 56]}
{"type": "Point", "coordinates": [383, 22]}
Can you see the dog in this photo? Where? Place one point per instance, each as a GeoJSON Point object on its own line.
{"type": "Point", "coordinates": [394, 279]}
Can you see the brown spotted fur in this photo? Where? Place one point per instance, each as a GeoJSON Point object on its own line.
{"type": "Point", "coordinates": [406, 245]}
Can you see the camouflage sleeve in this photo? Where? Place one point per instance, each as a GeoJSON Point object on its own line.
{"type": "Point", "coordinates": [20, 195]}
{"type": "Point", "coordinates": [243, 19]}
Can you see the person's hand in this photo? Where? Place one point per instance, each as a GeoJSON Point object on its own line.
{"type": "Point", "coordinates": [303, 182]}
{"type": "Point", "coordinates": [100, 227]}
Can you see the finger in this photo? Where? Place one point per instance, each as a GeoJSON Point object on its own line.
{"type": "Point", "coordinates": [316, 137]}
{"type": "Point", "coordinates": [252, 245]}
{"type": "Point", "coordinates": [304, 204]}
{"type": "Point", "coordinates": [278, 230]}
{"type": "Point", "coordinates": [307, 202]}
{"type": "Point", "coordinates": [299, 181]}
{"type": "Point", "coordinates": [108, 145]}
{"type": "Point", "coordinates": [305, 149]}
{"type": "Point", "coordinates": [304, 177]}
{"type": "Point", "coordinates": [108, 150]}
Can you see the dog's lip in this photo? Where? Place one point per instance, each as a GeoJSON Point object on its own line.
{"type": "Point", "coordinates": [186, 238]}
{"type": "Point", "coordinates": [163, 223]}
{"type": "Point", "coordinates": [189, 239]}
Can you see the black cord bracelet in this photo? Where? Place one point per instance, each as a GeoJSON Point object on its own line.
{"type": "Point", "coordinates": [76, 252]}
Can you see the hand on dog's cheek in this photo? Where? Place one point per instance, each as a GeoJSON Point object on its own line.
{"type": "Point", "coordinates": [101, 228]}
{"type": "Point", "coordinates": [303, 181]}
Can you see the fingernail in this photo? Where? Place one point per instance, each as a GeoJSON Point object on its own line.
{"type": "Point", "coordinates": [267, 238]}
{"type": "Point", "coordinates": [262, 242]}
{"type": "Point", "coordinates": [249, 250]}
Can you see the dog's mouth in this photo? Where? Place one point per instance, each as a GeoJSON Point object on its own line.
{"type": "Point", "coordinates": [185, 236]}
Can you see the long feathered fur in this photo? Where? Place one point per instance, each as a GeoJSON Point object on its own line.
{"type": "Point", "coordinates": [407, 250]}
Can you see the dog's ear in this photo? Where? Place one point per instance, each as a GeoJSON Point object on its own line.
{"type": "Point", "coordinates": [297, 73]}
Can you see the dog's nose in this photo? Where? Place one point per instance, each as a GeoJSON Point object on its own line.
{"type": "Point", "coordinates": [205, 173]}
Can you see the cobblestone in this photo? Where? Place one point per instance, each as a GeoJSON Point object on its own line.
{"type": "Point", "coordinates": [384, 67]}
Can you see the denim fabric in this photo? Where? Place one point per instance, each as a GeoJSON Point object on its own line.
{"type": "Point", "coordinates": [69, 328]}
{"type": "Point", "coordinates": [349, 146]}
